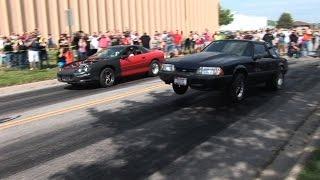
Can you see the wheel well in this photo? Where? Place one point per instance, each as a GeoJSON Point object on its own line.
{"type": "Point", "coordinates": [241, 70]}
{"type": "Point", "coordinates": [157, 60]}
{"type": "Point", "coordinates": [107, 66]}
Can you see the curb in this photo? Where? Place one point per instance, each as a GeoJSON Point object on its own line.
{"type": "Point", "coordinates": [23, 88]}
{"type": "Point", "coordinates": [293, 156]}
{"type": "Point", "coordinates": [306, 155]}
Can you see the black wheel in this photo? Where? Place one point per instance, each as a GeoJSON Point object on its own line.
{"type": "Point", "coordinates": [179, 89]}
{"type": "Point", "coordinates": [276, 82]}
{"type": "Point", "coordinates": [237, 89]}
{"type": "Point", "coordinates": [154, 68]}
{"type": "Point", "coordinates": [107, 77]}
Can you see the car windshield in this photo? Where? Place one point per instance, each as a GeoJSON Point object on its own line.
{"type": "Point", "coordinates": [228, 47]}
{"type": "Point", "coordinates": [110, 52]}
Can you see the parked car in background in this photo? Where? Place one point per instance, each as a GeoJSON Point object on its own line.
{"type": "Point", "coordinates": [107, 66]}
{"type": "Point", "coordinates": [227, 65]}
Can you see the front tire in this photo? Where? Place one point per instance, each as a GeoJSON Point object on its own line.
{"type": "Point", "coordinates": [276, 82]}
{"type": "Point", "coordinates": [107, 78]}
{"type": "Point", "coordinates": [237, 89]}
{"type": "Point", "coordinates": [154, 69]}
{"type": "Point", "coordinates": [179, 89]}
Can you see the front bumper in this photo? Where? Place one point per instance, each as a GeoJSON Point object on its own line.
{"type": "Point", "coordinates": [73, 77]}
{"type": "Point", "coordinates": [196, 81]}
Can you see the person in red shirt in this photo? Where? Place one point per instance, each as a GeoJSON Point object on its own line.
{"type": "Point", "coordinates": [177, 38]}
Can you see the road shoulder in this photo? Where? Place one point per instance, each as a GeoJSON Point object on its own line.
{"type": "Point", "coordinates": [291, 160]}
{"type": "Point", "coordinates": [16, 89]}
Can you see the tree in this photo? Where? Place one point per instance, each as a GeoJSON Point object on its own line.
{"type": "Point", "coordinates": [272, 23]}
{"type": "Point", "coordinates": [225, 16]}
{"type": "Point", "coordinates": [285, 21]}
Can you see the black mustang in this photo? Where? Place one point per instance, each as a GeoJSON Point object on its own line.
{"type": "Point", "coordinates": [228, 65]}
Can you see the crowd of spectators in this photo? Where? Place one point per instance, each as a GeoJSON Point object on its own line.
{"type": "Point", "coordinates": [30, 50]}
{"type": "Point", "coordinates": [293, 43]}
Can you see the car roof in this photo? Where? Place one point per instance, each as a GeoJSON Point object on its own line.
{"type": "Point", "coordinates": [241, 40]}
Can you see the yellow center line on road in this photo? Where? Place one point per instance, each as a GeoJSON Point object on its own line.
{"type": "Point", "coordinates": [77, 107]}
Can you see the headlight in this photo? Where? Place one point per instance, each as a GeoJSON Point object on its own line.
{"type": "Point", "coordinates": [83, 68]}
{"type": "Point", "coordinates": [168, 67]}
{"type": "Point", "coordinates": [217, 71]}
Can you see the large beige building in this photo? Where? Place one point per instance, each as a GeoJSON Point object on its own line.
{"type": "Point", "coordinates": [50, 16]}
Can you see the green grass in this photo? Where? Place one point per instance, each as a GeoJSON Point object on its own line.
{"type": "Point", "coordinates": [312, 169]}
{"type": "Point", "coordinates": [9, 77]}
{"type": "Point", "coordinates": [14, 77]}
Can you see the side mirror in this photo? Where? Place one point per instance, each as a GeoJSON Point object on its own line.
{"type": "Point", "coordinates": [256, 57]}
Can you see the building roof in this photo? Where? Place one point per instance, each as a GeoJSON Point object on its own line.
{"type": "Point", "coordinates": [301, 23]}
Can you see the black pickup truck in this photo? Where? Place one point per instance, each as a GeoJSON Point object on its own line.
{"type": "Point", "coordinates": [227, 65]}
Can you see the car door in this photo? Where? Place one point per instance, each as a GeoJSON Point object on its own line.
{"type": "Point", "coordinates": [132, 61]}
{"type": "Point", "coordinates": [262, 61]}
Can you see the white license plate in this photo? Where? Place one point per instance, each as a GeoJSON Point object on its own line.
{"type": "Point", "coordinates": [180, 81]}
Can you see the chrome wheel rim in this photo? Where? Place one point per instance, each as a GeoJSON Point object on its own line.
{"type": "Point", "coordinates": [108, 78]}
{"type": "Point", "coordinates": [280, 80]}
{"type": "Point", "coordinates": [155, 68]}
{"type": "Point", "coordinates": [240, 90]}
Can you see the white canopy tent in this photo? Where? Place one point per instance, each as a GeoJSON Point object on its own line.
{"type": "Point", "coordinates": [246, 23]}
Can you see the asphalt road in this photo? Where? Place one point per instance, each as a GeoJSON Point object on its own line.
{"type": "Point", "coordinates": [24, 101]}
{"type": "Point", "coordinates": [141, 130]}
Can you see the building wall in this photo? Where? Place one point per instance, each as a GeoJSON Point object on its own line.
{"type": "Point", "coordinates": [49, 16]}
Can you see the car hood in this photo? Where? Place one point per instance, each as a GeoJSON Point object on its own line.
{"type": "Point", "coordinates": [197, 60]}
{"type": "Point", "coordinates": [90, 60]}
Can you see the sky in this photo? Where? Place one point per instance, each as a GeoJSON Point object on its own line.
{"type": "Point", "coordinates": [302, 10]}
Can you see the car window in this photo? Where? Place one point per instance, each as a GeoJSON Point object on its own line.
{"type": "Point", "coordinates": [273, 53]}
{"type": "Point", "coordinates": [110, 52]}
{"type": "Point", "coordinates": [239, 48]}
{"type": "Point", "coordinates": [260, 50]}
{"type": "Point", "coordinates": [130, 50]}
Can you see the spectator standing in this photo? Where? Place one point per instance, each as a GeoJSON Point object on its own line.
{"type": "Point", "coordinates": [281, 44]}
{"type": "Point", "coordinates": [178, 41]}
{"type": "Point", "coordinates": [145, 40]}
{"type": "Point", "coordinates": [22, 55]}
{"type": "Point", "coordinates": [170, 47]}
{"type": "Point", "coordinates": [82, 50]}
{"type": "Point", "coordinates": [307, 38]}
{"type": "Point", "coordinates": [104, 42]}
{"type": "Point", "coordinates": [43, 52]}
{"type": "Point", "coordinates": [268, 37]}
{"type": "Point", "coordinates": [50, 42]}
{"type": "Point", "coordinates": [2, 41]}
{"type": "Point", "coordinates": [135, 38]}
{"type": "Point", "coordinates": [316, 41]}
{"type": "Point", "coordinates": [33, 53]}
{"type": "Point", "coordinates": [294, 37]}
{"type": "Point", "coordinates": [61, 59]}
{"type": "Point", "coordinates": [155, 42]}
{"type": "Point", "coordinates": [75, 44]}
{"type": "Point", "coordinates": [94, 44]}
{"type": "Point", "coordinates": [8, 51]}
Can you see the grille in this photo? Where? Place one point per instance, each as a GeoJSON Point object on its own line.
{"type": "Point", "coordinates": [185, 70]}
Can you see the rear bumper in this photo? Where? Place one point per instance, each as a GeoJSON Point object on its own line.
{"type": "Point", "coordinates": [199, 82]}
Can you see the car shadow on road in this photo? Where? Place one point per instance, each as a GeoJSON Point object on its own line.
{"type": "Point", "coordinates": [120, 82]}
{"type": "Point", "coordinates": [173, 137]}
{"type": "Point", "coordinates": [155, 134]}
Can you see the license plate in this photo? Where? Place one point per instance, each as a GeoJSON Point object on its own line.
{"type": "Point", "coordinates": [180, 81]}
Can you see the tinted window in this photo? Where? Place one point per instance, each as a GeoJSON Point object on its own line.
{"type": "Point", "coordinates": [110, 52]}
{"type": "Point", "coordinates": [260, 50]}
{"type": "Point", "coordinates": [229, 47]}
{"type": "Point", "coordinates": [273, 53]}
